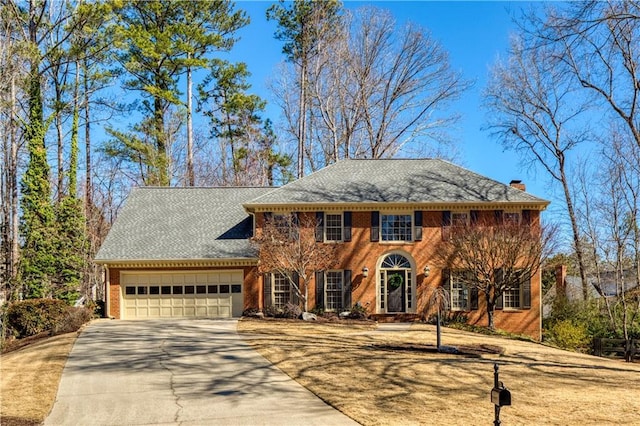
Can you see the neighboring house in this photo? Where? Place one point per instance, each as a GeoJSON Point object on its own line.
{"type": "Point", "coordinates": [570, 287]}
{"type": "Point", "coordinates": [185, 252]}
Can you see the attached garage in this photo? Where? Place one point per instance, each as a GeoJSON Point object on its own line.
{"type": "Point", "coordinates": [201, 294]}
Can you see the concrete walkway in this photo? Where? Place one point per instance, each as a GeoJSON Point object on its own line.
{"type": "Point", "coordinates": [187, 372]}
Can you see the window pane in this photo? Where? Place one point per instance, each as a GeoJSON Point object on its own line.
{"type": "Point", "coordinates": [396, 228]}
{"type": "Point", "coordinates": [189, 289]}
{"type": "Point", "coordinates": [459, 219]}
{"type": "Point", "coordinates": [224, 289]}
{"type": "Point", "coordinates": [177, 289]}
{"type": "Point", "coordinates": [333, 227]}
{"type": "Point", "coordinates": [212, 289]}
{"type": "Point", "coordinates": [333, 290]}
{"type": "Point", "coordinates": [511, 298]}
{"type": "Point", "coordinates": [154, 289]}
{"type": "Point", "coordinates": [281, 290]}
{"type": "Point", "coordinates": [236, 288]}
{"type": "Point", "coordinates": [201, 289]}
{"type": "Point", "coordinates": [142, 290]}
{"type": "Point", "coordinates": [165, 289]}
{"type": "Point", "coordinates": [129, 290]}
{"type": "Point", "coordinates": [511, 218]}
{"type": "Point", "coordinates": [459, 293]}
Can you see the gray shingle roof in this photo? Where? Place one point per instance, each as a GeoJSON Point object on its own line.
{"type": "Point", "coordinates": [181, 223]}
{"type": "Point", "coordinates": [395, 181]}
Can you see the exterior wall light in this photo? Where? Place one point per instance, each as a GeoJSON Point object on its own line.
{"type": "Point", "coordinates": [365, 272]}
{"type": "Point", "coordinates": [426, 271]}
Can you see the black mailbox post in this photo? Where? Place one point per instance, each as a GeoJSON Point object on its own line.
{"type": "Point", "coordinates": [500, 395]}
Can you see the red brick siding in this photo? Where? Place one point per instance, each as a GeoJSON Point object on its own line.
{"type": "Point", "coordinates": [361, 252]}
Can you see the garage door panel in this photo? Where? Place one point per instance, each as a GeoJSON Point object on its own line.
{"type": "Point", "coordinates": [211, 294]}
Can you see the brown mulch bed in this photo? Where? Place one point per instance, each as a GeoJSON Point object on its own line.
{"type": "Point", "coordinates": [474, 351]}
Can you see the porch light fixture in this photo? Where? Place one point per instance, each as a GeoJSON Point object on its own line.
{"type": "Point", "coordinates": [426, 271]}
{"type": "Point", "coordinates": [365, 272]}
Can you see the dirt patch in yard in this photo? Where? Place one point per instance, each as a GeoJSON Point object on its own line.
{"type": "Point", "coordinates": [29, 378]}
{"type": "Point", "coordinates": [357, 372]}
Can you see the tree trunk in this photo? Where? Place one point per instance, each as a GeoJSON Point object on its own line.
{"type": "Point", "coordinates": [190, 174]}
{"type": "Point", "coordinates": [491, 305]}
{"type": "Point", "coordinates": [302, 119]}
{"type": "Point", "coordinates": [87, 147]}
{"type": "Point", "coordinates": [576, 233]}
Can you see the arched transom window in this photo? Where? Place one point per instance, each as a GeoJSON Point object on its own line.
{"type": "Point", "coordinates": [396, 261]}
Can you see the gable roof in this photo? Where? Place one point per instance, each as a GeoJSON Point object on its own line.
{"type": "Point", "coordinates": [395, 181]}
{"type": "Point", "coordinates": [181, 224]}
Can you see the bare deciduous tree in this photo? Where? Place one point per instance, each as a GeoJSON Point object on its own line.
{"type": "Point", "coordinates": [287, 244]}
{"type": "Point", "coordinates": [496, 256]}
{"type": "Point", "coordinates": [373, 90]}
{"type": "Point", "coordinates": [536, 110]}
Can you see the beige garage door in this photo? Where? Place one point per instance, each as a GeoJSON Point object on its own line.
{"type": "Point", "coordinates": [202, 294]}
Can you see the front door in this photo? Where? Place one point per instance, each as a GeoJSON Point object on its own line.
{"type": "Point", "coordinates": [396, 291]}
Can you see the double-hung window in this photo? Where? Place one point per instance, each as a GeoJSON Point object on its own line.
{"type": "Point", "coordinates": [281, 290]}
{"type": "Point", "coordinates": [333, 227]}
{"type": "Point", "coordinates": [460, 291]}
{"type": "Point", "coordinates": [459, 218]}
{"type": "Point", "coordinates": [334, 283]}
{"type": "Point", "coordinates": [396, 227]}
{"type": "Point", "coordinates": [511, 218]}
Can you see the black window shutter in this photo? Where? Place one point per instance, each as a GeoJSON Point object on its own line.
{"type": "Point", "coordinates": [346, 289]}
{"type": "Point", "coordinates": [446, 224]}
{"type": "Point", "coordinates": [473, 298]}
{"type": "Point", "coordinates": [346, 217]}
{"type": "Point", "coordinates": [446, 218]}
{"type": "Point", "coordinates": [319, 289]}
{"type": "Point", "coordinates": [267, 290]}
{"type": "Point", "coordinates": [498, 216]}
{"type": "Point", "coordinates": [295, 299]}
{"type": "Point", "coordinates": [375, 226]}
{"type": "Point", "coordinates": [526, 292]}
{"type": "Point", "coordinates": [417, 225]}
{"type": "Point", "coordinates": [319, 227]}
{"type": "Point", "coordinates": [267, 216]}
{"type": "Point", "coordinates": [526, 217]}
{"type": "Point", "coordinates": [474, 216]}
{"type": "Point", "coordinates": [498, 278]}
{"type": "Point", "coordinates": [499, 302]}
{"type": "Point", "coordinates": [446, 279]}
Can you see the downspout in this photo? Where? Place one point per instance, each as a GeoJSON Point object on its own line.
{"type": "Point", "coordinates": [107, 296]}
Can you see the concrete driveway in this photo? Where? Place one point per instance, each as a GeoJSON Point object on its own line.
{"type": "Point", "coordinates": [187, 372]}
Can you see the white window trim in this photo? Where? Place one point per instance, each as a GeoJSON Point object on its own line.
{"type": "Point", "coordinates": [507, 212]}
{"type": "Point", "coordinates": [324, 230]}
{"type": "Point", "coordinates": [397, 213]}
{"type": "Point", "coordinates": [325, 277]}
{"type": "Point", "coordinates": [468, 288]}
{"type": "Point", "coordinates": [467, 214]}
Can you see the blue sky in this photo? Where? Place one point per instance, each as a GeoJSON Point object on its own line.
{"type": "Point", "coordinates": [474, 34]}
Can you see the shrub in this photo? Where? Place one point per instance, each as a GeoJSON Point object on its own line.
{"type": "Point", "coordinates": [291, 311]}
{"type": "Point", "coordinates": [34, 316]}
{"type": "Point", "coordinates": [251, 312]}
{"type": "Point", "coordinates": [569, 335]}
{"type": "Point", "coordinates": [270, 311]}
{"type": "Point", "coordinates": [358, 311]}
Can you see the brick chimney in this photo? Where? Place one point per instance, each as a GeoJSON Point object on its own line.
{"type": "Point", "coordinates": [561, 281]}
{"type": "Point", "coordinates": [517, 184]}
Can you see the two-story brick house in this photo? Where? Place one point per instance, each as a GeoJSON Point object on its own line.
{"type": "Point", "coordinates": [185, 252]}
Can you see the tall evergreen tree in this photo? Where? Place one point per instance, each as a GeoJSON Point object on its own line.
{"type": "Point", "coordinates": [157, 40]}
{"type": "Point", "coordinates": [301, 26]}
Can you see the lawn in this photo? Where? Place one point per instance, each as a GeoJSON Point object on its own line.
{"type": "Point", "coordinates": [380, 378]}
{"type": "Point", "coordinates": [29, 379]}
{"type": "Point", "coordinates": [388, 377]}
